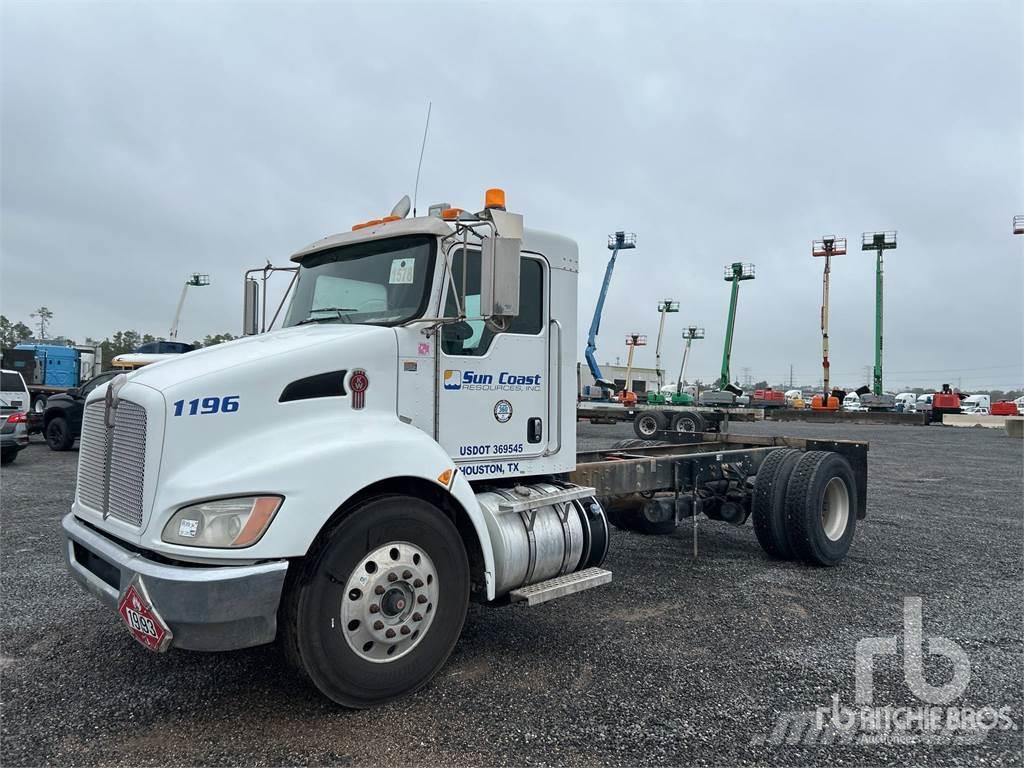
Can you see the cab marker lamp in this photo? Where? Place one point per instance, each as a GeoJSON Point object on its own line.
{"type": "Point", "coordinates": [222, 523]}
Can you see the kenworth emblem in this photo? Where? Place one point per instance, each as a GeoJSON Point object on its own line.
{"type": "Point", "coordinates": [111, 399]}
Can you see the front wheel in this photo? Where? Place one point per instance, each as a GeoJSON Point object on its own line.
{"type": "Point", "coordinates": [379, 602]}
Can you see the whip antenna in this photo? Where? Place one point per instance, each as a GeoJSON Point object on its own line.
{"type": "Point", "coordinates": [423, 146]}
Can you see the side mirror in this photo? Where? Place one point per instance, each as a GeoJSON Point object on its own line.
{"type": "Point", "coordinates": [250, 310]}
{"type": "Point", "coordinates": [499, 267]}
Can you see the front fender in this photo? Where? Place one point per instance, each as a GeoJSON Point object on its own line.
{"type": "Point", "coordinates": [317, 465]}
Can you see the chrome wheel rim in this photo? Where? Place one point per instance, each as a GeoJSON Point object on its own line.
{"type": "Point", "coordinates": [390, 601]}
{"type": "Point", "coordinates": [648, 425]}
{"type": "Point", "coordinates": [686, 424]}
{"type": "Point", "coordinates": [835, 509]}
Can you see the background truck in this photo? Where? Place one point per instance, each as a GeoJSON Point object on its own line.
{"type": "Point", "coordinates": [405, 444]}
{"type": "Point", "coordinates": [49, 369]}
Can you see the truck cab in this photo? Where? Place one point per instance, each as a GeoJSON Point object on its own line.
{"type": "Point", "coordinates": [417, 397]}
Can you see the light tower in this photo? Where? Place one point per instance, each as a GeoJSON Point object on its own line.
{"type": "Point", "coordinates": [827, 247]}
{"type": "Point", "coordinates": [197, 280]}
{"type": "Point", "coordinates": [664, 307]}
{"type": "Point", "coordinates": [633, 340]}
{"type": "Point", "coordinates": [618, 241]}
{"type": "Point", "coordinates": [878, 242]}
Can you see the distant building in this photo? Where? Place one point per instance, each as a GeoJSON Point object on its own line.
{"type": "Point", "coordinates": [643, 379]}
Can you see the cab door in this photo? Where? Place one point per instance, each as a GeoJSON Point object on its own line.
{"type": "Point", "coordinates": [493, 386]}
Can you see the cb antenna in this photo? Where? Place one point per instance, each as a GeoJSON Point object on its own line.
{"type": "Point", "coordinates": [423, 146]}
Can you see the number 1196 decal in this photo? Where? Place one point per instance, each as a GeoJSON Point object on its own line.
{"type": "Point", "coordinates": [204, 406]}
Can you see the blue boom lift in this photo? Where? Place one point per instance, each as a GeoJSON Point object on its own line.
{"type": "Point", "coordinates": [619, 241]}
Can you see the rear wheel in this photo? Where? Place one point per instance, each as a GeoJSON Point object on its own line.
{"type": "Point", "coordinates": [379, 603]}
{"type": "Point", "coordinates": [769, 503]}
{"type": "Point", "coordinates": [821, 507]}
{"type": "Point", "coordinates": [58, 436]}
{"type": "Point", "coordinates": [647, 424]}
{"type": "Point", "coordinates": [688, 421]}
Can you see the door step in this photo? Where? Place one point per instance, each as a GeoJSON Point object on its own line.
{"type": "Point", "coordinates": [560, 586]}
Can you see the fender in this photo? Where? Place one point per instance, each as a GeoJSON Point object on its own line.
{"type": "Point", "coordinates": [317, 464]}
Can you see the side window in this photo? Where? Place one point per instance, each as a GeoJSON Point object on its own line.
{"type": "Point", "coordinates": [473, 337]}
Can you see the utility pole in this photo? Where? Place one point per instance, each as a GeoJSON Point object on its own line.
{"type": "Point", "coordinates": [878, 242]}
{"type": "Point", "coordinates": [827, 247]}
{"type": "Point", "coordinates": [790, 375]}
{"type": "Point", "coordinates": [664, 307]}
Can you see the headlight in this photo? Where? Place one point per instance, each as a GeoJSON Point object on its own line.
{"type": "Point", "coordinates": [224, 523]}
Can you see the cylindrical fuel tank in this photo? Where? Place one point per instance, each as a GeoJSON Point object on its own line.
{"type": "Point", "coordinates": [545, 540]}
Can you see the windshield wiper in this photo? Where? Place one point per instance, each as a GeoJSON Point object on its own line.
{"type": "Point", "coordinates": [338, 310]}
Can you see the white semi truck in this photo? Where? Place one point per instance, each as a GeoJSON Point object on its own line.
{"type": "Point", "coordinates": [405, 444]}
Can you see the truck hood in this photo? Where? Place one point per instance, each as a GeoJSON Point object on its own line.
{"type": "Point", "coordinates": [295, 341]}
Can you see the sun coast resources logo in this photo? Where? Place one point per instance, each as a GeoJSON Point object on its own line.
{"type": "Point", "coordinates": [453, 379]}
{"type": "Point", "coordinates": [505, 381]}
{"type": "Point", "coordinates": [932, 722]}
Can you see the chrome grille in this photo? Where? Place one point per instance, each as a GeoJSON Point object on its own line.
{"type": "Point", "coordinates": [112, 463]}
{"type": "Point", "coordinates": [92, 458]}
{"type": "Point", "coordinates": [127, 463]}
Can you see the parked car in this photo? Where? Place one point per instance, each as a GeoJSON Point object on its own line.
{"type": "Point", "coordinates": [14, 394]}
{"type": "Point", "coordinates": [62, 419]}
{"type": "Point", "coordinates": [13, 436]}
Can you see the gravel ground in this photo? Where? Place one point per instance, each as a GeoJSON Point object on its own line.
{"type": "Point", "coordinates": [677, 662]}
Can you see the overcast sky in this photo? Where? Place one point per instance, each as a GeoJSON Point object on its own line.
{"type": "Point", "coordinates": [144, 141]}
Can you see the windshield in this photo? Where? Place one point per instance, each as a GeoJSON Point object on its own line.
{"type": "Point", "coordinates": [382, 282]}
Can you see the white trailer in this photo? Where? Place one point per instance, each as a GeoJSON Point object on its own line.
{"type": "Point", "coordinates": [405, 444]}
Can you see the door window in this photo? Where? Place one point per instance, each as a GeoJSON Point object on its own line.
{"type": "Point", "coordinates": [473, 337]}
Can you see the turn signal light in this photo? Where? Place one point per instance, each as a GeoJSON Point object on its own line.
{"type": "Point", "coordinates": [495, 198]}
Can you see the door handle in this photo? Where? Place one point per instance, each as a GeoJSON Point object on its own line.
{"type": "Point", "coordinates": [534, 429]}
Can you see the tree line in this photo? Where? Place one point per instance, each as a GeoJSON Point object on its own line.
{"type": "Point", "coordinates": [119, 343]}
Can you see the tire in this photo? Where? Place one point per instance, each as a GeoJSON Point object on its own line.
{"type": "Point", "coordinates": [769, 503]}
{"type": "Point", "coordinates": [57, 434]}
{"type": "Point", "coordinates": [688, 421]}
{"type": "Point", "coordinates": [8, 456]}
{"type": "Point", "coordinates": [821, 508]}
{"type": "Point", "coordinates": [39, 404]}
{"type": "Point", "coordinates": [333, 611]}
{"type": "Point", "coordinates": [647, 424]}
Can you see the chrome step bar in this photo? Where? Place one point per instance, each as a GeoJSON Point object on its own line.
{"type": "Point", "coordinates": [560, 586]}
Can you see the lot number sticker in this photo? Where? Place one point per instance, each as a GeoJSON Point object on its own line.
{"type": "Point", "coordinates": [503, 411]}
{"type": "Point", "coordinates": [402, 271]}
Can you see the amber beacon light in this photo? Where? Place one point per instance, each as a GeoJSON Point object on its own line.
{"type": "Point", "coordinates": [495, 198]}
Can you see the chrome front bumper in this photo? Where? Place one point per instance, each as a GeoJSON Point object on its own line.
{"type": "Point", "coordinates": [217, 608]}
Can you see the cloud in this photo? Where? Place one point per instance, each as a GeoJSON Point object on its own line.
{"type": "Point", "coordinates": [143, 142]}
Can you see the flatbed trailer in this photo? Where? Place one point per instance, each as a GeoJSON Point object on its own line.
{"type": "Point", "coordinates": [804, 494]}
{"type": "Point", "coordinates": [649, 420]}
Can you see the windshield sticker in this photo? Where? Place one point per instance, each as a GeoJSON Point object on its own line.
{"type": "Point", "coordinates": [402, 271]}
